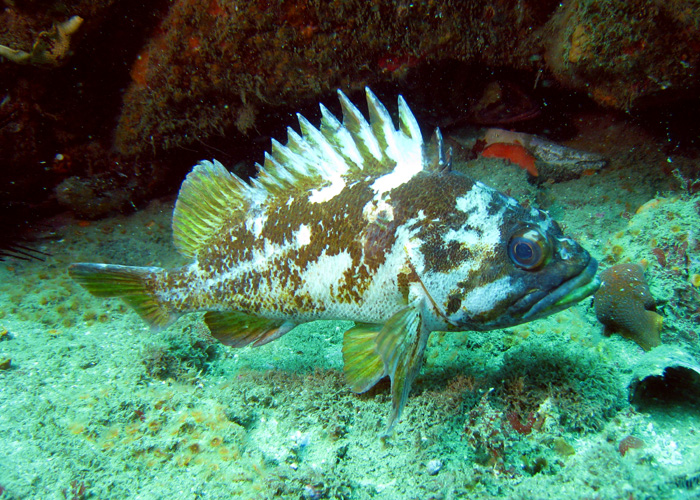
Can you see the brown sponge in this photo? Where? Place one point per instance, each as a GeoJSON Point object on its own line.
{"type": "Point", "coordinates": [623, 305]}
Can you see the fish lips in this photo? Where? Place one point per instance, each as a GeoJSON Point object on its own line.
{"type": "Point", "coordinates": [567, 293]}
{"type": "Point", "coordinates": [544, 300]}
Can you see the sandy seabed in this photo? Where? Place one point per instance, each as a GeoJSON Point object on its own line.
{"type": "Point", "coordinates": [95, 405]}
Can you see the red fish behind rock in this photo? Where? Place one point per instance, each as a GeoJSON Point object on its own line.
{"type": "Point", "coordinates": [540, 157]}
{"type": "Point", "coordinates": [514, 153]}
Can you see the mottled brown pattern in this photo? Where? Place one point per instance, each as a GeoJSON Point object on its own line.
{"type": "Point", "coordinates": [481, 276]}
{"type": "Point", "coordinates": [348, 289]}
{"type": "Point", "coordinates": [404, 280]}
{"type": "Point", "coordinates": [443, 258]}
{"type": "Point", "coordinates": [221, 243]}
{"type": "Point", "coordinates": [336, 226]}
{"type": "Point", "coordinates": [378, 238]}
{"type": "Point", "coordinates": [454, 302]}
{"type": "Point", "coordinates": [435, 195]}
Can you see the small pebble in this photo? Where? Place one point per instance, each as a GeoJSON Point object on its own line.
{"type": "Point", "coordinates": [434, 466]}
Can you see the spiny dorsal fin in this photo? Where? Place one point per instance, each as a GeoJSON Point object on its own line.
{"type": "Point", "coordinates": [437, 159]}
{"type": "Point", "coordinates": [318, 160]}
{"type": "Point", "coordinates": [359, 129]}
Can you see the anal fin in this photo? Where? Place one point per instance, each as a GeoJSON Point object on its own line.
{"type": "Point", "coordinates": [239, 329]}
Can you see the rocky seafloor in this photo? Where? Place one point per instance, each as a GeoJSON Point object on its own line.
{"type": "Point", "coordinates": [95, 405]}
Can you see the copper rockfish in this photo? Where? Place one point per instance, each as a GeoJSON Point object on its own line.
{"type": "Point", "coordinates": [357, 221]}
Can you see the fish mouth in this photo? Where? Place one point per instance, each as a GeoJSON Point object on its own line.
{"type": "Point", "coordinates": [571, 291]}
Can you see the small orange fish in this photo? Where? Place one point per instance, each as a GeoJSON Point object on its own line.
{"type": "Point", "coordinates": [514, 153]}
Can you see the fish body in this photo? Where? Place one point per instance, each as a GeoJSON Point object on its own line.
{"type": "Point", "coordinates": [514, 153]}
{"type": "Point", "coordinates": [540, 157]}
{"type": "Point", "coordinates": [361, 221]}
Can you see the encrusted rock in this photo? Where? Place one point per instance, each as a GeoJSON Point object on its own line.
{"type": "Point", "coordinates": [665, 375]}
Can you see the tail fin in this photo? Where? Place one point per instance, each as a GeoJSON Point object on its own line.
{"type": "Point", "coordinates": [129, 284]}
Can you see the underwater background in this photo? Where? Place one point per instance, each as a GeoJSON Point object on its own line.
{"type": "Point", "coordinates": [105, 106]}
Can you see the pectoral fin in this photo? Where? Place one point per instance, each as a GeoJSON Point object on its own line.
{"type": "Point", "coordinates": [239, 329]}
{"type": "Point", "coordinates": [401, 344]}
{"type": "Point", "coordinates": [395, 349]}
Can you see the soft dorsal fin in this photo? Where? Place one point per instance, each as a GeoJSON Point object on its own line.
{"type": "Point", "coordinates": [317, 160]}
{"type": "Point", "coordinates": [208, 196]}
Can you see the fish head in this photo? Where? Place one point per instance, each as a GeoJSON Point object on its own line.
{"type": "Point", "coordinates": [494, 263]}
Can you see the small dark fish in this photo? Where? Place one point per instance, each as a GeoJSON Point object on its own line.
{"type": "Point", "coordinates": [21, 252]}
{"type": "Point", "coordinates": [503, 103]}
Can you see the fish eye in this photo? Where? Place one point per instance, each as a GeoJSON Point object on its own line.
{"type": "Point", "coordinates": [529, 249]}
